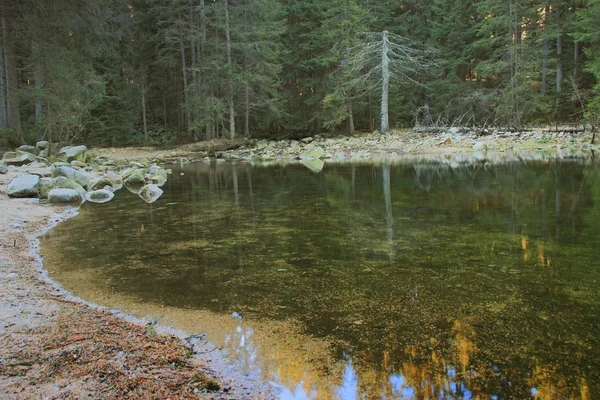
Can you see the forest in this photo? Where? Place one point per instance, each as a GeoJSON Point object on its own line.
{"type": "Point", "coordinates": [126, 72]}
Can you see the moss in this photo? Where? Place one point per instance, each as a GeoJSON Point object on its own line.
{"type": "Point", "coordinates": [8, 139]}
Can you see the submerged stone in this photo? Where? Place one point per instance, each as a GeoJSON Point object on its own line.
{"type": "Point", "coordinates": [150, 193]}
{"type": "Point", "coordinates": [100, 196]}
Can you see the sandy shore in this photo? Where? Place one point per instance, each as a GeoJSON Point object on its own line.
{"type": "Point", "coordinates": [55, 346]}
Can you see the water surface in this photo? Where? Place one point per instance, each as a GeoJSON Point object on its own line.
{"type": "Point", "coordinates": [423, 279]}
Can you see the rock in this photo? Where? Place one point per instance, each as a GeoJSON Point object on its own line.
{"type": "Point", "coordinates": [480, 146]}
{"type": "Point", "coordinates": [159, 179]}
{"type": "Point", "coordinates": [43, 145]}
{"type": "Point", "coordinates": [73, 153]}
{"type": "Point", "coordinates": [454, 130]}
{"type": "Point", "coordinates": [307, 140]}
{"type": "Point", "coordinates": [29, 149]}
{"type": "Point", "coordinates": [45, 153]}
{"type": "Point", "coordinates": [150, 193]}
{"type": "Point", "coordinates": [136, 177]}
{"type": "Point", "coordinates": [17, 158]}
{"type": "Point", "coordinates": [71, 174]}
{"type": "Point", "coordinates": [99, 196]}
{"type": "Point", "coordinates": [3, 169]}
{"type": "Point", "coordinates": [136, 164]}
{"type": "Point", "coordinates": [315, 165]}
{"type": "Point", "coordinates": [41, 172]}
{"type": "Point", "coordinates": [61, 182]}
{"type": "Point", "coordinates": [312, 152]}
{"type": "Point", "coordinates": [64, 196]}
{"type": "Point", "coordinates": [77, 163]}
{"type": "Point", "coordinates": [114, 178]}
{"type": "Point", "coordinates": [99, 183]}
{"type": "Point", "coordinates": [24, 186]}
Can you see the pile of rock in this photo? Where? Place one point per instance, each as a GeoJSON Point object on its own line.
{"type": "Point", "coordinates": [76, 175]}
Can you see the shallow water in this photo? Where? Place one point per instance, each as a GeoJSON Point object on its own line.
{"type": "Point", "coordinates": [391, 280]}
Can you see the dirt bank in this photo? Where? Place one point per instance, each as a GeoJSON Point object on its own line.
{"type": "Point", "coordinates": [54, 346]}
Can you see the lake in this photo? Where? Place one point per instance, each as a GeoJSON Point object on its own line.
{"type": "Point", "coordinates": [411, 278]}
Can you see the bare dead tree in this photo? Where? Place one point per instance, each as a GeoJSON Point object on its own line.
{"type": "Point", "coordinates": [385, 59]}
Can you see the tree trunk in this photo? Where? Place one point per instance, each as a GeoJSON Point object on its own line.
{"type": "Point", "coordinates": [185, 75]}
{"type": "Point", "coordinates": [545, 57]}
{"type": "Point", "coordinates": [230, 68]}
{"type": "Point", "coordinates": [144, 114]}
{"type": "Point", "coordinates": [371, 120]}
{"type": "Point", "coordinates": [12, 82]}
{"type": "Point", "coordinates": [3, 108]}
{"type": "Point", "coordinates": [350, 118]}
{"type": "Point", "coordinates": [385, 75]}
{"type": "Point", "coordinates": [246, 88]}
{"type": "Point", "coordinates": [559, 66]}
{"type": "Point", "coordinates": [38, 106]}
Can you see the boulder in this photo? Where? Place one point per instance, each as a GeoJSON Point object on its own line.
{"type": "Point", "coordinates": [480, 146]}
{"type": "Point", "coordinates": [135, 178]}
{"type": "Point", "coordinates": [45, 153]}
{"type": "Point", "coordinates": [30, 149]}
{"type": "Point", "coordinates": [114, 178]}
{"type": "Point", "coordinates": [71, 174]}
{"type": "Point", "coordinates": [73, 153]}
{"type": "Point", "coordinates": [77, 163]}
{"type": "Point", "coordinates": [60, 182]}
{"type": "Point", "coordinates": [99, 183]}
{"type": "Point", "coordinates": [3, 169]}
{"type": "Point", "coordinates": [159, 179]}
{"type": "Point", "coordinates": [312, 152]}
{"type": "Point", "coordinates": [64, 196]}
{"type": "Point", "coordinates": [99, 196]}
{"type": "Point", "coordinates": [150, 193]}
{"type": "Point", "coordinates": [43, 145]}
{"type": "Point", "coordinates": [24, 186]}
{"type": "Point", "coordinates": [307, 140]}
{"type": "Point", "coordinates": [17, 158]}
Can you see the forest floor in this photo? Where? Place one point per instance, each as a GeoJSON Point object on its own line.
{"type": "Point", "coordinates": [55, 346]}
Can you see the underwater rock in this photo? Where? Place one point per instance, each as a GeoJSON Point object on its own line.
{"type": "Point", "coordinates": [100, 196]}
{"type": "Point", "coordinates": [150, 193]}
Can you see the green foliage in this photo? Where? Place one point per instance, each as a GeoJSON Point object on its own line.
{"type": "Point", "coordinates": [8, 139]}
{"type": "Point", "coordinates": [86, 70]}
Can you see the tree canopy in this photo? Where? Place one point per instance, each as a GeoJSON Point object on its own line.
{"type": "Point", "coordinates": [116, 72]}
